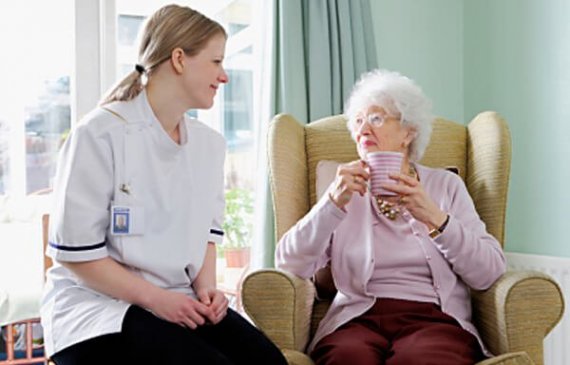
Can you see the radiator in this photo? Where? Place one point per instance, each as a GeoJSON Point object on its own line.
{"type": "Point", "coordinates": [556, 349]}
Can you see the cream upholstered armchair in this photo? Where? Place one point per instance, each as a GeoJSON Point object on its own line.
{"type": "Point", "coordinates": [513, 316]}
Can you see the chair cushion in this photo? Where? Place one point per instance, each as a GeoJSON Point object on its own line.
{"type": "Point", "coordinates": [327, 139]}
{"type": "Point", "coordinates": [326, 171]}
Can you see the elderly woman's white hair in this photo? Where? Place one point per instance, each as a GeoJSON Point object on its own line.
{"type": "Point", "coordinates": [400, 97]}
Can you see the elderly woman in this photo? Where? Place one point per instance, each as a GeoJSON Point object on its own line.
{"type": "Point", "coordinates": [404, 260]}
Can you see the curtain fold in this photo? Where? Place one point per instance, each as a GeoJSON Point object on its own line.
{"type": "Point", "coordinates": [318, 49]}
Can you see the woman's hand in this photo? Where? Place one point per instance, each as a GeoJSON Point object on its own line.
{"type": "Point", "coordinates": [216, 301]}
{"type": "Point", "coordinates": [181, 309]}
{"type": "Point", "coordinates": [350, 178]}
{"type": "Point", "coordinates": [414, 198]}
{"type": "Point", "coordinates": [111, 278]}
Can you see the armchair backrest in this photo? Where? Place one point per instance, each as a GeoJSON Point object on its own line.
{"type": "Point", "coordinates": [481, 151]}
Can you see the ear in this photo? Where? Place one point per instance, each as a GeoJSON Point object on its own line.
{"type": "Point", "coordinates": [177, 59]}
{"type": "Point", "coordinates": [410, 136]}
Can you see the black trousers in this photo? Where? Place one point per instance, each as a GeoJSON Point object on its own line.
{"type": "Point", "coordinates": [147, 339]}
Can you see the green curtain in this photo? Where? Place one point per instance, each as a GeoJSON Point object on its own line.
{"type": "Point", "coordinates": [319, 49]}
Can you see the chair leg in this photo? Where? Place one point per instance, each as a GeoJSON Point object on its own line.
{"type": "Point", "coordinates": [29, 340]}
{"type": "Point", "coordinates": [29, 344]}
{"type": "Point", "coordinates": [10, 342]}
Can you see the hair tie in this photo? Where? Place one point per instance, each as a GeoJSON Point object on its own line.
{"type": "Point", "coordinates": [140, 69]}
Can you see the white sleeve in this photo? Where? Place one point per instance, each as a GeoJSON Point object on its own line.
{"type": "Point", "coordinates": [83, 190]}
{"type": "Point", "coordinates": [216, 230]}
{"type": "Point", "coordinates": [216, 227]}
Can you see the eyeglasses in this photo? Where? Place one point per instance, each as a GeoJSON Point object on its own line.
{"type": "Point", "coordinates": [373, 120]}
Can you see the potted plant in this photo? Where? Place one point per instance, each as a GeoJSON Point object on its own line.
{"type": "Point", "coordinates": [237, 227]}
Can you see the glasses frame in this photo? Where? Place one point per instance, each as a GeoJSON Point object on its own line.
{"type": "Point", "coordinates": [373, 119]}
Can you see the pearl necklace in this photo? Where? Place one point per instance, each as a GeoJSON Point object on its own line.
{"type": "Point", "coordinates": [392, 210]}
{"type": "Point", "coordinates": [389, 210]}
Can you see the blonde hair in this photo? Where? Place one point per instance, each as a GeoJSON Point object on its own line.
{"type": "Point", "coordinates": [169, 27]}
{"type": "Point", "coordinates": [401, 97]}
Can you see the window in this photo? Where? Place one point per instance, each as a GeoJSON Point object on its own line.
{"type": "Point", "coordinates": [35, 114]}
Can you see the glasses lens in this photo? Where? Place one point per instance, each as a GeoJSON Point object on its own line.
{"type": "Point", "coordinates": [375, 120]}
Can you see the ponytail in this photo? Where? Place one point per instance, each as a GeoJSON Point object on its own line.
{"type": "Point", "coordinates": [126, 89]}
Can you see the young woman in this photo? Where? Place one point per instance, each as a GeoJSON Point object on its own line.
{"type": "Point", "coordinates": [139, 206]}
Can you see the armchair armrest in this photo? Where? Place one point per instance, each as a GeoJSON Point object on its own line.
{"type": "Point", "coordinates": [280, 304]}
{"type": "Point", "coordinates": [513, 358]}
{"type": "Point", "coordinates": [517, 312]}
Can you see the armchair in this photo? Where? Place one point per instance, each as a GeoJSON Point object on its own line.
{"type": "Point", "coordinates": [513, 316]}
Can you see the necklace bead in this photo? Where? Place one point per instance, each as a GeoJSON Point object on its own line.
{"type": "Point", "coordinates": [389, 210]}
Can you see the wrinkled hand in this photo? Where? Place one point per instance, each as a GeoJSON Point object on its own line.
{"type": "Point", "coordinates": [216, 301]}
{"type": "Point", "coordinates": [414, 198]}
{"type": "Point", "coordinates": [181, 309]}
{"type": "Point", "coordinates": [350, 178]}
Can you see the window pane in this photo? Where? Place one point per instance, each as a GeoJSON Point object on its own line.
{"type": "Point", "coordinates": [128, 27]}
{"type": "Point", "coordinates": [35, 83]}
{"type": "Point", "coordinates": [47, 121]}
{"type": "Point", "coordinates": [238, 106]}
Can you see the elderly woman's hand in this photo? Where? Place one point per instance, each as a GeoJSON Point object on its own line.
{"type": "Point", "coordinates": [350, 178]}
{"type": "Point", "coordinates": [414, 198]}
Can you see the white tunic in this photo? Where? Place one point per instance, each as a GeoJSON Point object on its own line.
{"type": "Point", "coordinates": [174, 191]}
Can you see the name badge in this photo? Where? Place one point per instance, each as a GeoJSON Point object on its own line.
{"type": "Point", "coordinates": [126, 220]}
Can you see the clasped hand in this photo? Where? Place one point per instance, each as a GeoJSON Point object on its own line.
{"type": "Point", "coordinates": [210, 307]}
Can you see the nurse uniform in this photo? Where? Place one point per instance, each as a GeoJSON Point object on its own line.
{"type": "Point", "coordinates": [125, 189]}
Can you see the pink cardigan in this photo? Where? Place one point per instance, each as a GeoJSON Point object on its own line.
{"type": "Point", "coordinates": [464, 256]}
